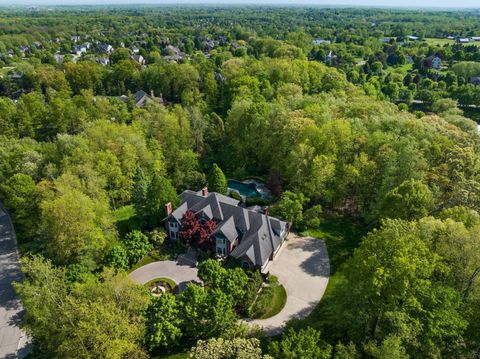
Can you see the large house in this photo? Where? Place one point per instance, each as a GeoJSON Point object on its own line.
{"type": "Point", "coordinates": [433, 62]}
{"type": "Point", "coordinates": [252, 237]}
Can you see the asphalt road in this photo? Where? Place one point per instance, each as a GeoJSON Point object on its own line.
{"type": "Point", "coordinates": [13, 343]}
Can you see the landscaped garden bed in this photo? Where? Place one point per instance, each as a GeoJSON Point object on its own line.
{"type": "Point", "coordinates": [161, 285]}
{"type": "Point", "coordinates": [270, 300]}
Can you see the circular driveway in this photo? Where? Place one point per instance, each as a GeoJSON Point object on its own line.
{"type": "Point", "coordinates": [181, 274]}
{"type": "Point", "coordinates": [302, 267]}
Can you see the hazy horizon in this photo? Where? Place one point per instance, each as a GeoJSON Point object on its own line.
{"type": "Point", "coordinates": [330, 3]}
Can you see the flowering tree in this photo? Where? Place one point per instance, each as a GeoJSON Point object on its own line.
{"type": "Point", "coordinates": [194, 232]}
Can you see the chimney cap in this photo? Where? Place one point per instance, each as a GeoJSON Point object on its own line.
{"type": "Point", "coordinates": [205, 191]}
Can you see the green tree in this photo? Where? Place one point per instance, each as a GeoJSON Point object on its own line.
{"type": "Point", "coordinates": [290, 207]}
{"type": "Point", "coordinates": [219, 348]}
{"type": "Point", "coordinates": [118, 257]}
{"type": "Point", "coordinates": [98, 318]}
{"type": "Point", "coordinates": [304, 343]}
{"type": "Point", "coordinates": [217, 182]}
{"type": "Point", "coordinates": [160, 192]}
{"type": "Point", "coordinates": [18, 194]}
{"type": "Point", "coordinates": [137, 246]}
{"type": "Point", "coordinates": [163, 322]}
{"type": "Point", "coordinates": [411, 200]}
{"type": "Point", "coordinates": [72, 228]}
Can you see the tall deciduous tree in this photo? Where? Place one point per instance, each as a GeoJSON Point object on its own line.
{"type": "Point", "coordinates": [95, 319]}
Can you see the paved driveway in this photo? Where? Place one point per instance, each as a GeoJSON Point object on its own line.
{"type": "Point", "coordinates": [181, 274]}
{"type": "Point", "coordinates": [303, 268]}
{"type": "Point", "coordinates": [13, 343]}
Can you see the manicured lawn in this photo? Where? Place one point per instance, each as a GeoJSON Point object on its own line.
{"type": "Point", "coordinates": [270, 301]}
{"type": "Point", "coordinates": [154, 256]}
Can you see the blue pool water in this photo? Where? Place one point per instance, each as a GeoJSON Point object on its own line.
{"type": "Point", "coordinates": [245, 189]}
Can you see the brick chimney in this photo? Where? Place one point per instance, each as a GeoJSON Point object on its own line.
{"type": "Point", "coordinates": [205, 191]}
{"type": "Point", "coordinates": [265, 210]}
{"type": "Point", "coordinates": [168, 208]}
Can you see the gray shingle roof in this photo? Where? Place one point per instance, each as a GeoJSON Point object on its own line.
{"type": "Point", "coordinates": [258, 235]}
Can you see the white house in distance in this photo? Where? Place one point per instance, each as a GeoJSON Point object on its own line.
{"type": "Point", "coordinates": [252, 237]}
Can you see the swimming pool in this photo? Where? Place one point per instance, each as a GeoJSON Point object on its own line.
{"type": "Point", "coordinates": [245, 189]}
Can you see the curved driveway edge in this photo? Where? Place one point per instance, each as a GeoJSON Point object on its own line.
{"type": "Point", "coordinates": [303, 268]}
{"type": "Point", "coordinates": [13, 342]}
{"type": "Point", "coordinates": [182, 274]}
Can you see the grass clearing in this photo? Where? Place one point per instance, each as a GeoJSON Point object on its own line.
{"type": "Point", "coordinates": [126, 220]}
{"type": "Point", "coordinates": [342, 235]}
{"type": "Point", "coordinates": [270, 301]}
{"type": "Point", "coordinates": [437, 41]}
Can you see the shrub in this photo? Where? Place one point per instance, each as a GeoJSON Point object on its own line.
{"type": "Point", "coordinates": [157, 237]}
{"type": "Point", "coordinates": [137, 246]}
{"type": "Point", "coordinates": [236, 195]}
{"type": "Point", "coordinates": [118, 257]}
{"type": "Point", "coordinates": [311, 217]}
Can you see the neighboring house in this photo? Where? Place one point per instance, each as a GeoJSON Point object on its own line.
{"type": "Point", "coordinates": [253, 238]}
{"type": "Point", "coordinates": [79, 50]}
{"type": "Point", "coordinates": [141, 98]}
{"type": "Point", "coordinates": [413, 38]}
{"type": "Point", "coordinates": [433, 62]}
{"type": "Point", "coordinates": [475, 80]}
{"type": "Point", "coordinates": [476, 38]}
{"type": "Point", "coordinates": [103, 60]}
{"type": "Point", "coordinates": [24, 49]}
{"type": "Point", "coordinates": [105, 48]}
{"type": "Point", "coordinates": [38, 44]}
{"type": "Point", "coordinates": [75, 38]}
{"type": "Point", "coordinates": [135, 49]}
{"type": "Point", "coordinates": [319, 41]}
{"type": "Point", "coordinates": [173, 53]}
{"type": "Point", "coordinates": [463, 40]}
{"type": "Point", "coordinates": [138, 59]}
{"type": "Point", "coordinates": [59, 58]}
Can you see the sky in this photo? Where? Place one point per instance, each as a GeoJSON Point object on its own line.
{"type": "Point", "coordinates": [382, 3]}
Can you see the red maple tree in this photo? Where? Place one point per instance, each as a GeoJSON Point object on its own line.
{"type": "Point", "coordinates": [193, 231]}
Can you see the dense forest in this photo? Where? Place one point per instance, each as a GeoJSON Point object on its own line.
{"type": "Point", "coordinates": [339, 111]}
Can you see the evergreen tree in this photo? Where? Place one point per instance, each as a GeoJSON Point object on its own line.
{"type": "Point", "coordinates": [217, 182]}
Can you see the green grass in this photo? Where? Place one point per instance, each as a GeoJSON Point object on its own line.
{"type": "Point", "coordinates": [154, 256]}
{"type": "Point", "coordinates": [171, 283]}
{"type": "Point", "coordinates": [441, 42]}
{"type": "Point", "coordinates": [270, 301]}
{"type": "Point", "coordinates": [126, 220]}
{"type": "Point", "coordinates": [342, 236]}
{"type": "Point", "coordinates": [399, 69]}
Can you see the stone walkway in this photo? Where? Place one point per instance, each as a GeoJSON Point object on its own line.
{"type": "Point", "coordinates": [303, 268]}
{"type": "Point", "coordinates": [181, 274]}
{"type": "Point", "coordinates": [13, 342]}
